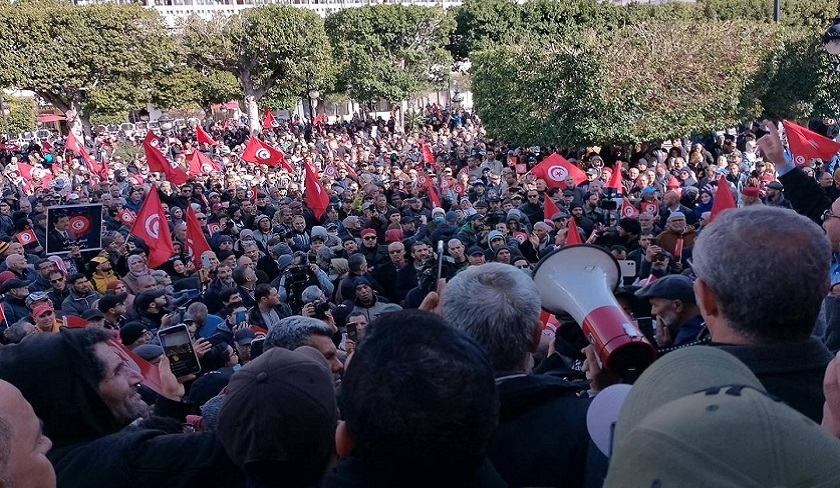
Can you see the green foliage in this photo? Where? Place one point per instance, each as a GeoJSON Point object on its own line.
{"type": "Point", "coordinates": [126, 150]}
{"type": "Point", "coordinates": [263, 47]}
{"type": "Point", "coordinates": [580, 89]}
{"type": "Point", "coordinates": [185, 87]}
{"type": "Point", "coordinates": [96, 59]}
{"type": "Point", "coordinates": [390, 52]}
{"type": "Point", "coordinates": [23, 115]}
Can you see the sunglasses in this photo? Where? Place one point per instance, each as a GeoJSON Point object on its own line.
{"type": "Point", "coordinates": [370, 238]}
{"type": "Point", "coordinates": [57, 280]}
{"type": "Point", "coordinates": [659, 259]}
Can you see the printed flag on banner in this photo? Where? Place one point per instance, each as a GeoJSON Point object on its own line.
{"type": "Point", "coordinates": [723, 199]}
{"type": "Point", "coordinates": [26, 237]}
{"type": "Point", "coordinates": [428, 157]}
{"type": "Point", "coordinates": [268, 119]}
{"type": "Point", "coordinates": [258, 152]}
{"type": "Point", "coordinates": [573, 235]}
{"type": "Point", "coordinates": [550, 208]}
{"type": "Point", "coordinates": [151, 226]}
{"type": "Point", "coordinates": [616, 180]}
{"type": "Point", "coordinates": [316, 196]}
{"type": "Point", "coordinates": [149, 371]}
{"type": "Point", "coordinates": [126, 217]}
{"type": "Point", "coordinates": [159, 164]}
{"type": "Point", "coordinates": [70, 226]}
{"type": "Point", "coordinates": [196, 242]}
{"type": "Point", "coordinates": [203, 137]}
{"type": "Point", "coordinates": [555, 169]}
{"type": "Point", "coordinates": [628, 210]}
{"type": "Point", "coordinates": [806, 144]}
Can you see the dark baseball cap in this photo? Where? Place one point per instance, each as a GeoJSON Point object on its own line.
{"type": "Point", "coordinates": [474, 251]}
{"type": "Point", "coordinates": [13, 283]}
{"type": "Point", "coordinates": [243, 337]}
{"type": "Point", "coordinates": [108, 302]}
{"type": "Point", "coordinates": [671, 287]}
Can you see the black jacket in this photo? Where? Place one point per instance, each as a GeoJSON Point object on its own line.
{"type": "Point", "coordinates": [350, 473]}
{"type": "Point", "coordinates": [792, 372]}
{"type": "Point", "coordinates": [805, 194]}
{"type": "Point", "coordinates": [542, 438]}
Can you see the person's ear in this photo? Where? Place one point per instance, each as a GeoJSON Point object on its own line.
{"type": "Point", "coordinates": [343, 441]}
{"type": "Point", "coordinates": [707, 301]}
{"type": "Point", "coordinates": [536, 337]}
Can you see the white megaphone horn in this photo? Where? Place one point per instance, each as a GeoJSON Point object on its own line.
{"type": "Point", "coordinates": [580, 280]}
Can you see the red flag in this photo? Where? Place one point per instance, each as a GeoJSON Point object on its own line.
{"type": "Point", "coordinates": [555, 169]}
{"type": "Point", "coordinates": [428, 157]}
{"type": "Point", "coordinates": [26, 237]}
{"type": "Point", "coordinates": [550, 208]}
{"type": "Point", "coordinates": [203, 137]}
{"type": "Point", "coordinates": [73, 322]}
{"type": "Point", "coordinates": [268, 119]}
{"type": "Point", "coordinates": [196, 242]}
{"type": "Point", "coordinates": [650, 207]}
{"type": "Point", "coordinates": [678, 248]}
{"type": "Point", "coordinates": [159, 164]}
{"type": "Point", "coordinates": [151, 226]}
{"type": "Point", "coordinates": [628, 210]}
{"type": "Point", "coordinates": [260, 153]}
{"type": "Point", "coordinates": [316, 196]}
{"type": "Point", "coordinates": [616, 180]}
{"type": "Point", "coordinates": [806, 145]}
{"type": "Point", "coordinates": [201, 164]}
{"type": "Point", "coordinates": [46, 147]}
{"type": "Point", "coordinates": [78, 148]}
{"type": "Point", "coordinates": [723, 199]}
{"type": "Point", "coordinates": [549, 321]}
{"type": "Point", "coordinates": [650, 279]}
{"type": "Point", "coordinates": [126, 217]}
{"type": "Point", "coordinates": [149, 371]}
{"type": "Point", "coordinates": [213, 228]}
{"type": "Point", "coordinates": [573, 235]}
{"type": "Point", "coordinates": [425, 182]}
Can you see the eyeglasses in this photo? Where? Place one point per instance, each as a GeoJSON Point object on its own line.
{"type": "Point", "coordinates": [57, 280]}
{"type": "Point", "coordinates": [396, 252]}
{"type": "Point", "coordinates": [201, 218]}
{"type": "Point", "coordinates": [828, 214]}
{"type": "Point", "coordinates": [659, 259]}
{"type": "Point", "coordinates": [370, 238]}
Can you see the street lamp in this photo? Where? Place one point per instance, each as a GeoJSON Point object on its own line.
{"type": "Point", "coordinates": [831, 38]}
{"type": "Point", "coordinates": [314, 94]}
{"type": "Point", "coordinates": [4, 106]}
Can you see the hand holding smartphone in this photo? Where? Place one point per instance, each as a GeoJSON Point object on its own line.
{"type": "Point", "coordinates": [178, 348]}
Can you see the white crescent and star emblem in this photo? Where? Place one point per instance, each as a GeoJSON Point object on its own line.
{"type": "Point", "coordinates": [152, 226]}
{"type": "Point", "coordinates": [628, 211]}
{"type": "Point", "coordinates": [557, 173]}
{"type": "Point", "coordinates": [800, 160]}
{"type": "Point", "coordinates": [263, 153]}
{"type": "Point", "coordinates": [26, 238]}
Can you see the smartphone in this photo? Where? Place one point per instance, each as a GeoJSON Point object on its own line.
{"type": "Point", "coordinates": [628, 268]}
{"type": "Point", "coordinates": [257, 347]}
{"type": "Point", "coordinates": [646, 327]}
{"type": "Point", "coordinates": [216, 339]}
{"type": "Point", "coordinates": [240, 316]}
{"type": "Point", "coordinates": [205, 261]}
{"type": "Point", "coordinates": [178, 347]}
{"type": "Point", "coordinates": [312, 258]}
{"type": "Point", "coordinates": [352, 331]}
{"type": "Point", "coordinates": [439, 263]}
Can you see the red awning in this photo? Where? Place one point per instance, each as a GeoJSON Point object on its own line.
{"type": "Point", "coordinates": [45, 118]}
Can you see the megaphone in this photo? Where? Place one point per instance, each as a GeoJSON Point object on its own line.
{"type": "Point", "coordinates": [580, 280]}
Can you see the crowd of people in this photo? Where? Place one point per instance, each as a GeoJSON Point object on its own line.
{"type": "Point", "coordinates": [396, 337]}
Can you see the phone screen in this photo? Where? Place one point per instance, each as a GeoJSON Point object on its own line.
{"type": "Point", "coordinates": [216, 339]}
{"type": "Point", "coordinates": [352, 331]}
{"type": "Point", "coordinates": [257, 347]}
{"type": "Point", "coordinates": [205, 262]}
{"type": "Point", "coordinates": [178, 347]}
{"type": "Point", "coordinates": [240, 316]}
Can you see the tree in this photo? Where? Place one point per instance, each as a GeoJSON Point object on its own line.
{"type": "Point", "coordinates": [274, 47]}
{"type": "Point", "coordinates": [482, 24]}
{"type": "Point", "coordinates": [23, 113]}
{"type": "Point", "coordinates": [390, 52]}
{"type": "Point", "coordinates": [640, 82]}
{"type": "Point", "coordinates": [82, 60]}
{"type": "Point", "coordinates": [182, 86]}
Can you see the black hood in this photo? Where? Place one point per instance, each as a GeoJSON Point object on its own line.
{"type": "Point", "coordinates": [59, 378]}
{"type": "Point", "coordinates": [521, 392]}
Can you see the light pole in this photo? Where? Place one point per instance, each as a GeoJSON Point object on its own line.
{"type": "Point", "coordinates": [314, 94]}
{"type": "Point", "coordinates": [831, 38]}
{"type": "Point", "coordinates": [4, 106]}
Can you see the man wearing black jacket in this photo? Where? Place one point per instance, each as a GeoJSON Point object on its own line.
{"type": "Point", "coordinates": [86, 396]}
{"type": "Point", "coordinates": [541, 439]}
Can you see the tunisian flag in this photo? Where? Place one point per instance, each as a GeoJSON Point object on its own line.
{"type": "Point", "coordinates": [151, 226]}
{"type": "Point", "coordinates": [203, 137]}
{"type": "Point", "coordinates": [77, 147]}
{"type": "Point", "coordinates": [628, 210]}
{"type": "Point", "coordinates": [316, 196]}
{"type": "Point", "coordinates": [268, 119]}
{"type": "Point", "coordinates": [616, 180]}
{"type": "Point", "coordinates": [200, 164]}
{"type": "Point", "coordinates": [196, 242]}
{"type": "Point", "coordinates": [723, 199]}
{"type": "Point", "coordinates": [423, 181]}
{"type": "Point", "coordinates": [428, 157]}
{"type": "Point", "coordinates": [573, 234]}
{"type": "Point", "coordinates": [806, 145]}
{"type": "Point", "coordinates": [555, 169]}
{"type": "Point", "coordinates": [550, 208]}
{"type": "Point", "coordinates": [260, 153]}
{"type": "Point", "coordinates": [158, 163]}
